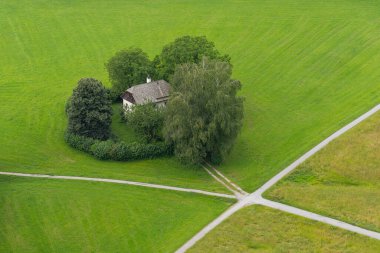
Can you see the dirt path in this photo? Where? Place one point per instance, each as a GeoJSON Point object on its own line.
{"type": "Point", "coordinates": [228, 184]}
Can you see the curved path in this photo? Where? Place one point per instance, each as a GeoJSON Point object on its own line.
{"type": "Point", "coordinates": [256, 197]}
{"type": "Point", "coordinates": [116, 181]}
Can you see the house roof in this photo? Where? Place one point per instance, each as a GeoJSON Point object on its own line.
{"type": "Point", "coordinates": [155, 91]}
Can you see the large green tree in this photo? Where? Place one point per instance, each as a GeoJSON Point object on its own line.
{"type": "Point", "coordinates": [127, 68]}
{"type": "Point", "coordinates": [89, 110]}
{"type": "Point", "coordinates": [147, 120]}
{"type": "Point", "coordinates": [185, 49]}
{"type": "Point", "coordinates": [204, 114]}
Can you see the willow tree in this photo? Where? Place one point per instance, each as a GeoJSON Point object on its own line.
{"type": "Point", "coordinates": [204, 114]}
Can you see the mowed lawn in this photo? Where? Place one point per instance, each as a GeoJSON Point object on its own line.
{"type": "Point", "coordinates": [121, 129]}
{"type": "Point", "coordinates": [44, 215]}
{"type": "Point", "coordinates": [307, 68]}
{"type": "Point", "coordinates": [342, 180]}
{"type": "Point", "coordinates": [265, 230]}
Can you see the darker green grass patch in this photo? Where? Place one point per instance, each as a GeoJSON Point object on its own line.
{"type": "Point", "coordinates": [262, 229]}
{"type": "Point", "coordinates": [340, 181]}
{"type": "Point", "coordinates": [303, 176]}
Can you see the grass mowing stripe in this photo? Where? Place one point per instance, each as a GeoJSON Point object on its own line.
{"type": "Point", "coordinates": [307, 68]}
{"type": "Point", "coordinates": [67, 216]}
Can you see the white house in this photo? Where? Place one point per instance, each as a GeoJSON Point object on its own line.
{"type": "Point", "coordinates": [156, 92]}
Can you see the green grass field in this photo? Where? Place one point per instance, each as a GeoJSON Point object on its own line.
{"type": "Point", "coordinates": [307, 68]}
{"type": "Point", "coordinates": [262, 229]}
{"type": "Point", "coordinates": [342, 180]}
{"type": "Point", "coordinates": [42, 215]}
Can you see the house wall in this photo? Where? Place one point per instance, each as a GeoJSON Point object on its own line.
{"type": "Point", "coordinates": [127, 105]}
{"type": "Point", "coordinates": [161, 104]}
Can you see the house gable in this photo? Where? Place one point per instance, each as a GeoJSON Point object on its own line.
{"type": "Point", "coordinates": [156, 92]}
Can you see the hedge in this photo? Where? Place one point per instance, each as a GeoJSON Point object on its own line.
{"type": "Point", "coordinates": [118, 151]}
{"type": "Point", "coordinates": [81, 143]}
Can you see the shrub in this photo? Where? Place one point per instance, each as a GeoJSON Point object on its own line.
{"type": "Point", "coordinates": [114, 95]}
{"type": "Point", "coordinates": [146, 121]}
{"type": "Point", "coordinates": [102, 149]}
{"type": "Point", "coordinates": [123, 114]}
{"type": "Point", "coordinates": [142, 151]}
{"type": "Point", "coordinates": [118, 151]}
{"type": "Point", "coordinates": [81, 143]}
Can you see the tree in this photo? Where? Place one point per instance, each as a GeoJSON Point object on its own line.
{"type": "Point", "coordinates": [127, 68]}
{"type": "Point", "coordinates": [204, 115]}
{"type": "Point", "coordinates": [147, 120]}
{"type": "Point", "coordinates": [89, 110]}
{"type": "Point", "coordinates": [185, 49]}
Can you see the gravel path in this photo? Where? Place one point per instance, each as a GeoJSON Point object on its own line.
{"type": "Point", "coordinates": [317, 217]}
{"type": "Point", "coordinates": [116, 181]}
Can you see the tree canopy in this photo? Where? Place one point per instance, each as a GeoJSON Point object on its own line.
{"type": "Point", "coordinates": [89, 110]}
{"type": "Point", "coordinates": [185, 49]}
{"type": "Point", "coordinates": [146, 120]}
{"type": "Point", "coordinates": [204, 114]}
{"type": "Point", "coordinates": [127, 68]}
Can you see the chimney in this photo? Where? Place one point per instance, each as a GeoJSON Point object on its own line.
{"type": "Point", "coordinates": [148, 79]}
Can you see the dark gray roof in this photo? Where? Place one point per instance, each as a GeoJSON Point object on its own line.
{"type": "Point", "coordinates": [155, 91]}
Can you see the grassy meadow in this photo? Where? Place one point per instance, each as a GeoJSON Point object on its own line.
{"type": "Point", "coordinates": [262, 229]}
{"type": "Point", "coordinates": [342, 180]}
{"type": "Point", "coordinates": [307, 68]}
{"type": "Point", "coordinates": [44, 215]}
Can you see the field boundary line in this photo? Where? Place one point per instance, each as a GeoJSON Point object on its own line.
{"type": "Point", "coordinates": [117, 181]}
{"type": "Point", "coordinates": [256, 196]}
